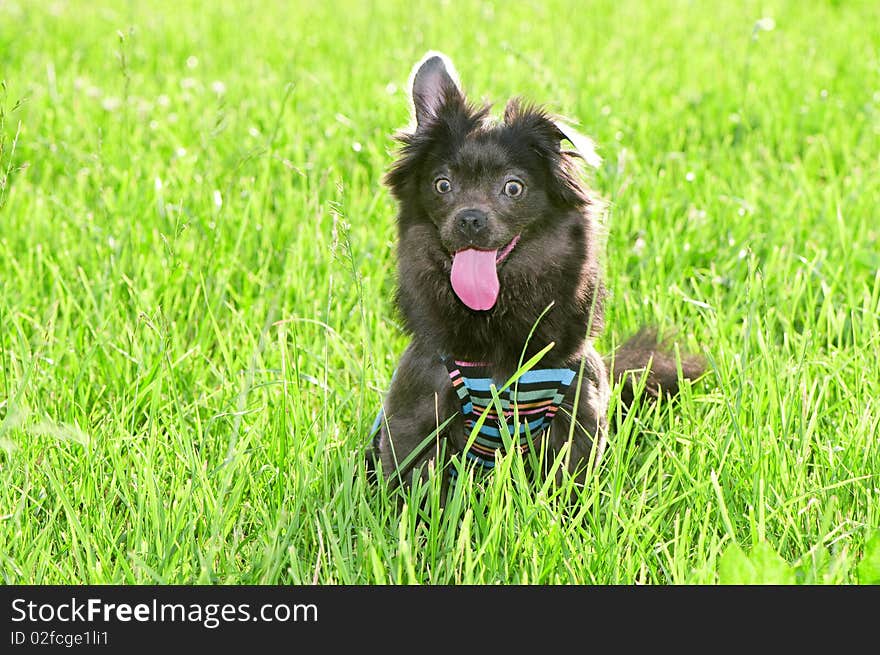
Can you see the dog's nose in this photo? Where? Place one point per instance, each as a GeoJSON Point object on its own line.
{"type": "Point", "coordinates": [471, 222]}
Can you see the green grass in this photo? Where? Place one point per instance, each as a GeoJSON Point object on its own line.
{"type": "Point", "coordinates": [197, 267]}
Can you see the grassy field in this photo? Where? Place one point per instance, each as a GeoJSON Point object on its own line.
{"type": "Point", "coordinates": [197, 269]}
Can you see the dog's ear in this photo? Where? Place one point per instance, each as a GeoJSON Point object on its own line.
{"type": "Point", "coordinates": [583, 145]}
{"type": "Point", "coordinates": [567, 181]}
{"type": "Point", "coordinates": [554, 128]}
{"type": "Point", "coordinates": [433, 86]}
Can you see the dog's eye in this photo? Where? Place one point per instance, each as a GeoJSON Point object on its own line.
{"type": "Point", "coordinates": [442, 185]}
{"type": "Point", "coordinates": [513, 188]}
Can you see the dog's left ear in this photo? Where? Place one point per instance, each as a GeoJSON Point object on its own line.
{"type": "Point", "coordinates": [433, 86]}
{"type": "Point", "coordinates": [583, 145]}
{"type": "Point", "coordinates": [553, 129]}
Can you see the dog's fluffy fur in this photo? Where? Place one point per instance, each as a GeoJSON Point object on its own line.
{"type": "Point", "coordinates": [553, 261]}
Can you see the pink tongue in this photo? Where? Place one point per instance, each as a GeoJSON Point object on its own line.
{"type": "Point", "coordinates": [475, 278]}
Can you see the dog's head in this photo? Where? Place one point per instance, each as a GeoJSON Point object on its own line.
{"type": "Point", "coordinates": [487, 186]}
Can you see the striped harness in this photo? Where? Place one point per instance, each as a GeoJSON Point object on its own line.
{"type": "Point", "coordinates": [534, 398]}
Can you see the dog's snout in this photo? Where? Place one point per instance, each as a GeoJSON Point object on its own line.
{"type": "Point", "coordinates": [471, 222]}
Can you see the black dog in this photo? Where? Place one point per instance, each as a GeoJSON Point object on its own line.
{"type": "Point", "coordinates": [494, 227]}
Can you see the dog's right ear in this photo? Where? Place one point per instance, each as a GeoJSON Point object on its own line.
{"type": "Point", "coordinates": [434, 85]}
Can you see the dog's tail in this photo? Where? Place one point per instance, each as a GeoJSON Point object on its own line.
{"type": "Point", "coordinates": [645, 354]}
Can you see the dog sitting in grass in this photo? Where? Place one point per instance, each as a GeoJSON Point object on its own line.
{"type": "Point", "coordinates": [500, 287]}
